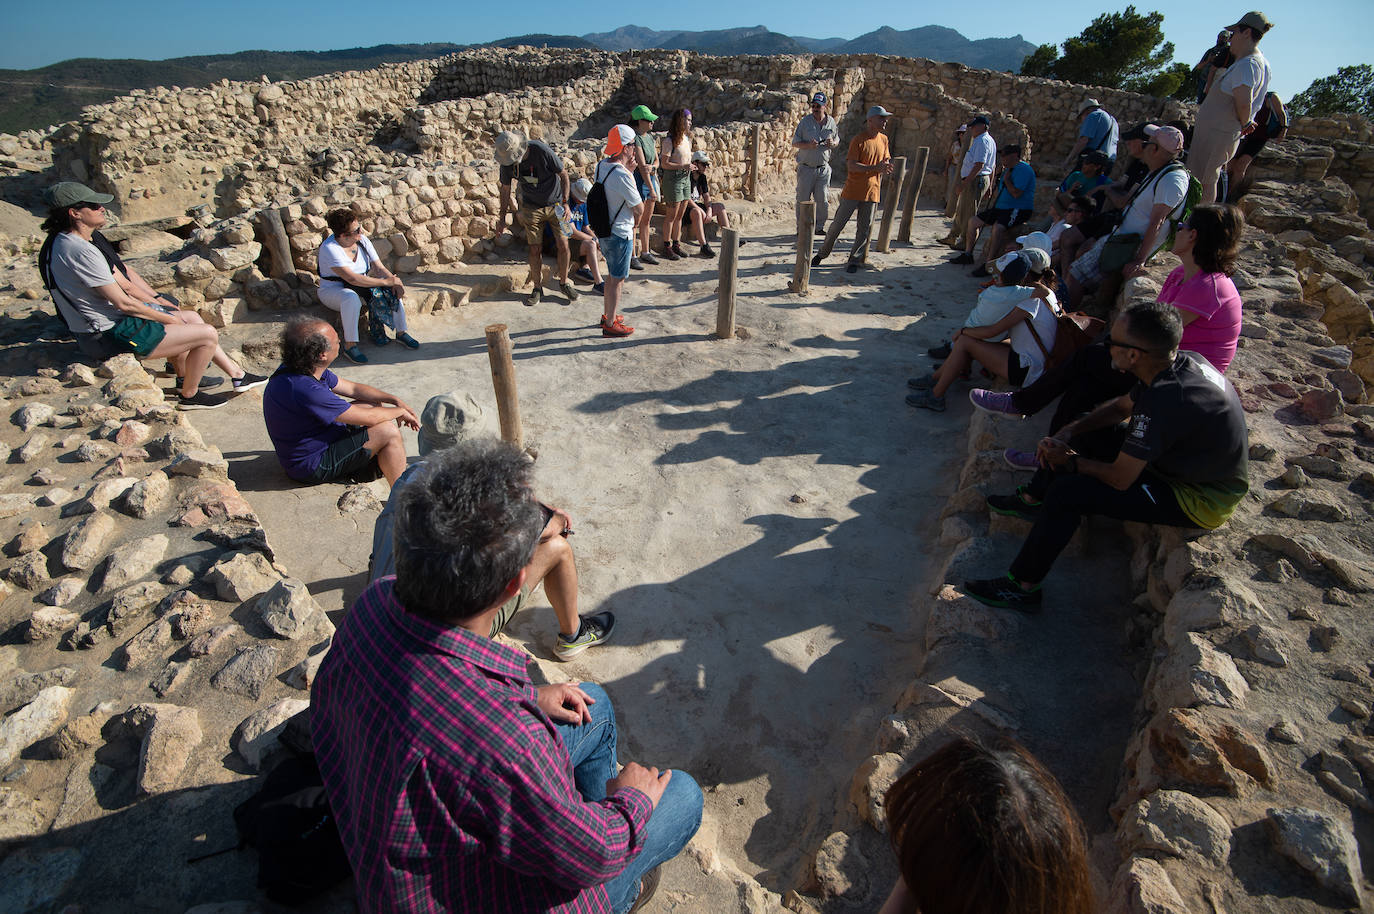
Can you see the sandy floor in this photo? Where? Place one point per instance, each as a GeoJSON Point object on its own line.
{"type": "Point", "coordinates": [756, 511]}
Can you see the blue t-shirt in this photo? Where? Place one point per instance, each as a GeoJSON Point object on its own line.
{"type": "Point", "coordinates": [1101, 130]}
{"type": "Point", "coordinates": [1022, 177]}
{"type": "Point", "coordinates": [578, 211]}
{"type": "Point", "coordinates": [300, 412]}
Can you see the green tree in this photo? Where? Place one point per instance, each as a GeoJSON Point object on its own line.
{"type": "Point", "coordinates": [1350, 90]}
{"type": "Point", "coordinates": [1123, 50]}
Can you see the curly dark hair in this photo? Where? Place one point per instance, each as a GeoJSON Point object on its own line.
{"type": "Point", "coordinates": [677, 128]}
{"type": "Point", "coordinates": [1219, 227]}
{"type": "Point", "coordinates": [465, 527]}
{"type": "Point", "coordinates": [303, 342]}
{"type": "Point", "coordinates": [59, 220]}
{"type": "Point", "coordinates": [340, 219]}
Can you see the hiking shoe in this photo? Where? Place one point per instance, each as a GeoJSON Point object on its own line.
{"type": "Point", "coordinates": [569, 291]}
{"type": "Point", "coordinates": [616, 327]}
{"type": "Point", "coordinates": [1021, 460]}
{"type": "Point", "coordinates": [635, 264]}
{"type": "Point", "coordinates": [992, 401]}
{"type": "Point", "coordinates": [648, 885]}
{"type": "Point", "coordinates": [599, 288]}
{"type": "Point", "coordinates": [1014, 506]}
{"type": "Point", "coordinates": [981, 272]}
{"type": "Point", "coordinates": [408, 341]}
{"type": "Point", "coordinates": [851, 267]}
{"type": "Point", "coordinates": [924, 382]}
{"type": "Point", "coordinates": [248, 382]}
{"type": "Point", "coordinates": [669, 253]}
{"type": "Point", "coordinates": [533, 298]}
{"type": "Point", "coordinates": [962, 259]}
{"type": "Point", "coordinates": [820, 233]}
{"type": "Point", "coordinates": [816, 261]}
{"type": "Point", "coordinates": [941, 351]}
{"type": "Point", "coordinates": [201, 400]}
{"type": "Point", "coordinates": [205, 383]}
{"type": "Point", "coordinates": [584, 273]}
{"type": "Point", "coordinates": [1004, 593]}
{"type": "Point", "coordinates": [926, 400]}
{"type": "Point", "coordinates": [677, 249]}
{"type": "Point", "coordinates": [947, 241]}
{"type": "Point", "coordinates": [595, 630]}
{"type": "Point", "coordinates": [650, 258]}
{"type": "Point", "coordinates": [355, 354]}
{"type": "Point", "coordinates": [706, 251]}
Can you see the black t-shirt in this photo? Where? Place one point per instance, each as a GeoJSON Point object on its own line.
{"type": "Point", "coordinates": [1188, 426]}
{"type": "Point", "coordinates": [1136, 172]}
{"type": "Point", "coordinates": [699, 184]}
{"type": "Point", "coordinates": [539, 184]}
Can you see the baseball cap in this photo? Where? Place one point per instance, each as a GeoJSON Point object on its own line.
{"type": "Point", "coordinates": [1135, 133]}
{"type": "Point", "coordinates": [879, 111]}
{"type": "Point", "coordinates": [1167, 137]}
{"type": "Point", "coordinates": [1037, 240]}
{"type": "Point", "coordinates": [962, 128]}
{"type": "Point", "coordinates": [818, 98]}
{"type": "Point", "coordinates": [642, 113]}
{"type": "Point", "coordinates": [1037, 261]}
{"type": "Point", "coordinates": [1097, 157]}
{"type": "Point", "coordinates": [510, 147]}
{"type": "Point", "coordinates": [619, 137]}
{"type": "Point", "coordinates": [581, 187]}
{"type": "Point", "coordinates": [701, 157]}
{"type": "Point", "coordinates": [1012, 267]}
{"type": "Point", "coordinates": [70, 193]}
{"type": "Point", "coordinates": [450, 418]}
{"type": "Point", "coordinates": [1088, 103]}
{"type": "Point", "coordinates": [1254, 20]}
{"type": "Point", "coordinates": [981, 119]}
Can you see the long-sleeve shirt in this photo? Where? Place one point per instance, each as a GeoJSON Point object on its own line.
{"type": "Point", "coordinates": [452, 789]}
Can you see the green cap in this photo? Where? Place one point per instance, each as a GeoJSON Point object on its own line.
{"type": "Point", "coordinates": [642, 113]}
{"type": "Point", "coordinates": [70, 193]}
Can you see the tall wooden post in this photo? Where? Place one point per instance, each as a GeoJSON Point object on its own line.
{"type": "Point", "coordinates": [806, 241]}
{"type": "Point", "coordinates": [890, 206]}
{"type": "Point", "coordinates": [725, 304]}
{"type": "Point", "coordinates": [503, 381]}
{"type": "Point", "coordinates": [754, 162]}
{"type": "Point", "coordinates": [913, 193]}
{"type": "Point", "coordinates": [278, 244]}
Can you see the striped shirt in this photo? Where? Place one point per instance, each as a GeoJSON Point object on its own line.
{"type": "Point", "coordinates": [452, 789]}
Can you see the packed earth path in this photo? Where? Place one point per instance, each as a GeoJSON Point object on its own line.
{"type": "Point", "coordinates": [760, 513]}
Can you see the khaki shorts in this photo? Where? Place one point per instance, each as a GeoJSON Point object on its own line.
{"type": "Point", "coordinates": [508, 611]}
{"type": "Point", "coordinates": [534, 219]}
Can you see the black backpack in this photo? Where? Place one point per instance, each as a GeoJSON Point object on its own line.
{"type": "Point", "coordinates": [599, 208]}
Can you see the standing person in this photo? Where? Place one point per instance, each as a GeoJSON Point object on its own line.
{"type": "Point", "coordinates": [953, 157]}
{"type": "Point", "coordinates": [646, 181]}
{"type": "Point", "coordinates": [1229, 111]}
{"type": "Point", "coordinates": [350, 273]}
{"type": "Point", "coordinates": [544, 186]}
{"type": "Point", "coordinates": [814, 139]}
{"type": "Point", "coordinates": [675, 166]}
{"type": "Point", "coordinates": [1010, 209]}
{"type": "Point", "coordinates": [868, 161]}
{"type": "Point", "coordinates": [1097, 132]}
{"type": "Point", "coordinates": [1217, 58]}
{"type": "Point", "coordinates": [1273, 125]}
{"type": "Point", "coordinates": [623, 206]}
{"type": "Point", "coordinates": [975, 174]}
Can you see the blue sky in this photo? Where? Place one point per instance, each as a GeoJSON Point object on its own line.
{"type": "Point", "coordinates": [1310, 39]}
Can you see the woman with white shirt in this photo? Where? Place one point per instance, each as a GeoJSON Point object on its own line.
{"type": "Point", "coordinates": [349, 272]}
{"type": "Point", "coordinates": [1232, 104]}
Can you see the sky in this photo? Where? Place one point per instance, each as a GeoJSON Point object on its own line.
{"type": "Point", "coordinates": [1310, 39]}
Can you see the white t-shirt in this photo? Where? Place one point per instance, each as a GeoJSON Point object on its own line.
{"type": "Point", "coordinates": [1023, 342]}
{"type": "Point", "coordinates": [621, 196]}
{"type": "Point", "coordinates": [79, 269]}
{"type": "Point", "coordinates": [1170, 187]}
{"type": "Point", "coordinates": [981, 157]}
{"type": "Point", "coordinates": [1054, 231]}
{"type": "Point", "coordinates": [1253, 71]}
{"type": "Point", "coordinates": [332, 254]}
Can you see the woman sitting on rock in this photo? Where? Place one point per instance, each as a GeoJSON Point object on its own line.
{"type": "Point", "coordinates": [350, 273]}
{"type": "Point", "coordinates": [1201, 287]}
{"type": "Point", "coordinates": [985, 828]}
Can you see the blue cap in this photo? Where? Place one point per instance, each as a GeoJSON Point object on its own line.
{"type": "Point", "coordinates": [818, 98]}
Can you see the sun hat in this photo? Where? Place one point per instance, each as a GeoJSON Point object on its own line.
{"type": "Point", "coordinates": [1038, 240]}
{"type": "Point", "coordinates": [581, 187]}
{"type": "Point", "coordinates": [70, 193]}
{"type": "Point", "coordinates": [642, 113]}
{"type": "Point", "coordinates": [511, 146]}
{"type": "Point", "coordinates": [1037, 261]}
{"type": "Point", "coordinates": [1254, 20]}
{"type": "Point", "coordinates": [616, 141]}
{"type": "Point", "coordinates": [1087, 104]}
{"type": "Point", "coordinates": [981, 119]}
{"type": "Point", "coordinates": [450, 418]}
{"type": "Point", "coordinates": [701, 157]}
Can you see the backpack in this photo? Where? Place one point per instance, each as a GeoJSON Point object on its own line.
{"type": "Point", "coordinates": [1190, 202]}
{"type": "Point", "coordinates": [599, 208]}
{"type": "Point", "coordinates": [1073, 332]}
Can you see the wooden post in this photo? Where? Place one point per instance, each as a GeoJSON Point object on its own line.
{"type": "Point", "coordinates": [278, 244]}
{"type": "Point", "coordinates": [890, 207]}
{"type": "Point", "coordinates": [806, 241]}
{"type": "Point", "coordinates": [725, 305]}
{"type": "Point", "coordinates": [754, 162]}
{"type": "Point", "coordinates": [503, 381]}
{"type": "Point", "coordinates": [913, 193]}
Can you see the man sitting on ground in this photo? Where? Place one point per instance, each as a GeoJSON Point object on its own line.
{"type": "Point", "coordinates": [320, 436]}
{"type": "Point", "coordinates": [458, 784]}
{"type": "Point", "coordinates": [1010, 209]}
{"type": "Point", "coordinates": [447, 420]}
{"type": "Point", "coordinates": [1181, 460]}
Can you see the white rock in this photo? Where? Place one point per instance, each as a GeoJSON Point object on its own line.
{"type": "Point", "coordinates": [256, 736]}
{"type": "Point", "coordinates": [37, 720]}
{"type": "Point", "coordinates": [1321, 845]}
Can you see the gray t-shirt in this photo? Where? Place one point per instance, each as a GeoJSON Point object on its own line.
{"type": "Point", "coordinates": [808, 131]}
{"type": "Point", "coordinates": [621, 196]}
{"type": "Point", "coordinates": [538, 172]}
{"type": "Point", "coordinates": [79, 269]}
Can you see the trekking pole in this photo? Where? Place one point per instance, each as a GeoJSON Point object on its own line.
{"type": "Point", "coordinates": [913, 193]}
{"type": "Point", "coordinates": [503, 381]}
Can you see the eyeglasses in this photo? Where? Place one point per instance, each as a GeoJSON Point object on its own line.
{"type": "Point", "coordinates": [1111, 342]}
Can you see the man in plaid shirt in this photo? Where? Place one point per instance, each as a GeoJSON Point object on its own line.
{"type": "Point", "coordinates": [457, 784]}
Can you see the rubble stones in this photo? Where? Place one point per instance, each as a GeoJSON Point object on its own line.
{"type": "Point", "coordinates": [241, 576]}
{"type": "Point", "coordinates": [85, 542]}
{"type": "Point", "coordinates": [288, 610]}
{"type": "Point", "coordinates": [21, 688]}
{"type": "Point", "coordinates": [133, 561]}
{"type": "Point", "coordinates": [1196, 673]}
{"type": "Point", "coordinates": [30, 571]}
{"type": "Point", "coordinates": [1197, 749]}
{"type": "Point", "coordinates": [149, 495]}
{"type": "Point", "coordinates": [37, 720]}
{"type": "Point", "coordinates": [1142, 886]}
{"type": "Point", "coordinates": [170, 733]}
{"type": "Point", "coordinates": [61, 593]}
{"type": "Point", "coordinates": [256, 736]}
{"type": "Point", "coordinates": [1178, 824]}
{"type": "Point", "coordinates": [1320, 845]}
{"type": "Point", "coordinates": [49, 622]}
{"type": "Point", "coordinates": [247, 671]}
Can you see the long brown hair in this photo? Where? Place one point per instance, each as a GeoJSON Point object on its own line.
{"type": "Point", "coordinates": [677, 129]}
{"type": "Point", "coordinates": [985, 828]}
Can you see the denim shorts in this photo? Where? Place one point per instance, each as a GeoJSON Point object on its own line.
{"type": "Point", "coordinates": [617, 251]}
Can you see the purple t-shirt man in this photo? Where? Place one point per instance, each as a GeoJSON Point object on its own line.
{"type": "Point", "coordinates": [300, 411]}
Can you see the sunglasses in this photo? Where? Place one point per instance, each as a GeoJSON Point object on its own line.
{"type": "Point", "coordinates": [95, 206]}
{"type": "Point", "coordinates": [1184, 224]}
{"type": "Point", "coordinates": [1111, 342]}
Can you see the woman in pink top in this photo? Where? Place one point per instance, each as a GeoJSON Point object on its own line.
{"type": "Point", "coordinates": [1201, 288]}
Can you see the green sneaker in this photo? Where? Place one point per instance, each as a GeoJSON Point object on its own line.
{"type": "Point", "coordinates": [595, 630]}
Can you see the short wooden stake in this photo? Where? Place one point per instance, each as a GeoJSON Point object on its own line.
{"type": "Point", "coordinates": [912, 197]}
{"type": "Point", "coordinates": [890, 206]}
{"type": "Point", "coordinates": [278, 243]}
{"type": "Point", "coordinates": [806, 241]}
{"type": "Point", "coordinates": [503, 381]}
{"type": "Point", "coordinates": [754, 162]}
{"type": "Point", "coordinates": [725, 305]}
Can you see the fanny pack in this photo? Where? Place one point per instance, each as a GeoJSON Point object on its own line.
{"type": "Point", "coordinates": [1119, 250]}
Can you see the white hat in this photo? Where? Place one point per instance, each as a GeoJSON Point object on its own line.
{"type": "Point", "coordinates": [1088, 103]}
{"type": "Point", "coordinates": [617, 139]}
{"type": "Point", "coordinates": [1038, 240]}
{"type": "Point", "coordinates": [581, 187]}
{"type": "Point", "coordinates": [511, 146]}
{"type": "Point", "coordinates": [701, 157]}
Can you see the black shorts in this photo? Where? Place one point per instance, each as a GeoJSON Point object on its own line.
{"type": "Point", "coordinates": [343, 458]}
{"type": "Point", "coordinates": [1252, 144]}
{"type": "Point", "coordinates": [1004, 217]}
{"type": "Point", "coordinates": [1016, 372]}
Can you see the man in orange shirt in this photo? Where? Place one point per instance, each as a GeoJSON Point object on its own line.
{"type": "Point", "coordinates": [868, 161]}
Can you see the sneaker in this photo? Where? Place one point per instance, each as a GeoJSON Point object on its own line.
{"type": "Point", "coordinates": [249, 381]}
{"type": "Point", "coordinates": [851, 267]}
{"type": "Point", "coordinates": [816, 261]}
{"type": "Point", "coordinates": [706, 251]}
{"type": "Point", "coordinates": [1021, 460]}
{"type": "Point", "coordinates": [201, 400]}
{"type": "Point", "coordinates": [962, 259]}
{"type": "Point", "coordinates": [1004, 593]}
{"type": "Point", "coordinates": [941, 351]}
{"type": "Point", "coordinates": [947, 241]}
{"type": "Point", "coordinates": [650, 258]}
{"type": "Point", "coordinates": [355, 354]}
{"type": "Point", "coordinates": [1014, 506]}
{"type": "Point", "coordinates": [926, 400]}
{"type": "Point", "coordinates": [677, 249]}
{"type": "Point", "coordinates": [617, 327]}
{"type": "Point", "coordinates": [981, 272]}
{"type": "Point", "coordinates": [820, 233]}
{"type": "Point", "coordinates": [924, 382]}
{"type": "Point", "coordinates": [569, 291]}
{"type": "Point", "coordinates": [648, 885]}
{"type": "Point", "coordinates": [669, 253]}
{"type": "Point", "coordinates": [583, 273]}
{"type": "Point", "coordinates": [992, 401]}
{"type": "Point", "coordinates": [533, 298]}
{"type": "Point", "coordinates": [408, 341]}
{"type": "Point", "coordinates": [635, 264]}
{"type": "Point", "coordinates": [599, 288]}
{"type": "Point", "coordinates": [595, 630]}
{"type": "Point", "coordinates": [205, 383]}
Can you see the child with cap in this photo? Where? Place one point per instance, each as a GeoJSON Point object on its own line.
{"type": "Point", "coordinates": [580, 233]}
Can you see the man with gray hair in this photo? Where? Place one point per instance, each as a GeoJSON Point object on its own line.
{"type": "Point", "coordinates": [869, 160]}
{"type": "Point", "coordinates": [814, 139]}
{"type": "Point", "coordinates": [543, 188]}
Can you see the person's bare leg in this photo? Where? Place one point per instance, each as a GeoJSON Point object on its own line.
{"type": "Point", "coordinates": [385, 443]}
{"type": "Point", "coordinates": [590, 254]}
{"type": "Point", "coordinates": [197, 342]}
{"type": "Point", "coordinates": [553, 563]}
{"type": "Point", "coordinates": [975, 225]}
{"type": "Point", "coordinates": [536, 266]}
{"type": "Point", "coordinates": [965, 350]}
{"type": "Point", "coordinates": [721, 216]}
{"type": "Point", "coordinates": [697, 224]}
{"type": "Point", "coordinates": [1076, 292]}
{"type": "Point", "coordinates": [992, 247]}
{"type": "Point", "coordinates": [564, 256]}
{"type": "Point", "coordinates": [612, 297]}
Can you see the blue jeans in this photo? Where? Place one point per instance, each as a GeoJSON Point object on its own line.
{"type": "Point", "coordinates": [617, 252]}
{"type": "Point", "coordinates": [674, 821]}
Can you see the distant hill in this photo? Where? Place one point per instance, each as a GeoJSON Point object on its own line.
{"type": "Point", "coordinates": [939, 43]}
{"type": "Point", "coordinates": [542, 41]}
